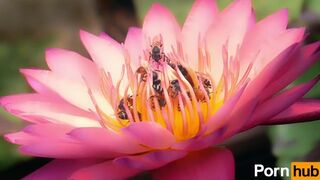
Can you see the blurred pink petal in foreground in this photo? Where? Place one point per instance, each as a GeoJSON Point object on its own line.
{"type": "Point", "coordinates": [164, 100]}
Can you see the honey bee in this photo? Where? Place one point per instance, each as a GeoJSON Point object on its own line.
{"type": "Point", "coordinates": [121, 109]}
{"type": "Point", "coordinates": [122, 115]}
{"type": "Point", "coordinates": [161, 100]}
{"type": "Point", "coordinates": [206, 83]}
{"type": "Point", "coordinates": [185, 73]}
{"type": "Point", "coordinates": [156, 51]}
{"type": "Point", "coordinates": [156, 83]}
{"type": "Point", "coordinates": [200, 95]}
{"type": "Point", "coordinates": [143, 73]}
{"type": "Point", "coordinates": [174, 88]}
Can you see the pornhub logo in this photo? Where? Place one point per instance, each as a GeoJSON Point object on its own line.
{"type": "Point", "coordinates": [297, 171]}
{"type": "Point", "coordinates": [305, 170]}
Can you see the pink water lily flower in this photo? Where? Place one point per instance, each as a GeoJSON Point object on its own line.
{"type": "Point", "coordinates": [165, 99]}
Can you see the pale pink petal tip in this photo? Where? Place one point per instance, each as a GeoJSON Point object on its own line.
{"type": "Point", "coordinates": [10, 138]}
{"type": "Point", "coordinates": [159, 13]}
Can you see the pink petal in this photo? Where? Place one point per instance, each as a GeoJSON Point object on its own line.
{"type": "Point", "coordinates": [30, 133]}
{"type": "Point", "coordinates": [311, 48]}
{"type": "Point", "coordinates": [106, 140]}
{"type": "Point", "coordinates": [265, 30]}
{"type": "Point", "coordinates": [229, 29]}
{"type": "Point", "coordinates": [65, 150]}
{"type": "Point", "coordinates": [108, 38]}
{"type": "Point", "coordinates": [297, 65]}
{"type": "Point", "coordinates": [150, 134]}
{"type": "Point", "coordinates": [200, 18]}
{"type": "Point", "coordinates": [302, 110]}
{"type": "Point", "coordinates": [279, 103]}
{"type": "Point", "coordinates": [160, 21]}
{"type": "Point", "coordinates": [48, 140]}
{"type": "Point", "coordinates": [60, 169]}
{"type": "Point", "coordinates": [251, 95]}
{"type": "Point", "coordinates": [38, 109]}
{"type": "Point", "coordinates": [221, 116]}
{"type": "Point", "coordinates": [201, 142]}
{"type": "Point", "coordinates": [150, 160]}
{"type": "Point", "coordinates": [61, 150]}
{"type": "Point", "coordinates": [104, 170]}
{"type": "Point", "coordinates": [208, 164]}
{"type": "Point", "coordinates": [134, 46]}
{"type": "Point", "coordinates": [70, 89]}
{"type": "Point", "coordinates": [53, 141]}
{"type": "Point", "coordinates": [40, 88]}
{"type": "Point", "coordinates": [107, 54]}
{"type": "Point", "coordinates": [79, 68]}
{"type": "Point", "coordinates": [71, 64]}
{"type": "Point", "coordinates": [269, 49]}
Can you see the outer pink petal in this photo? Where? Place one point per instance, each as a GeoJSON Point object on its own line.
{"type": "Point", "coordinates": [38, 109]}
{"type": "Point", "coordinates": [106, 140]}
{"type": "Point", "coordinates": [70, 89]}
{"type": "Point", "coordinates": [62, 150]}
{"type": "Point", "coordinates": [108, 38]}
{"type": "Point", "coordinates": [60, 169]}
{"type": "Point", "coordinates": [303, 110]}
{"type": "Point", "coordinates": [71, 64]}
{"type": "Point", "coordinates": [150, 160]}
{"type": "Point", "coordinates": [41, 88]}
{"type": "Point", "coordinates": [53, 141]}
{"type": "Point", "coordinates": [208, 164]}
{"type": "Point", "coordinates": [310, 49]}
{"type": "Point", "coordinates": [251, 95]}
{"type": "Point", "coordinates": [48, 140]}
{"type": "Point", "coordinates": [200, 18]}
{"type": "Point", "coordinates": [160, 21]}
{"type": "Point", "coordinates": [269, 49]}
{"type": "Point", "coordinates": [107, 54]}
{"type": "Point", "coordinates": [297, 65]}
{"type": "Point", "coordinates": [221, 116]}
{"type": "Point", "coordinates": [102, 171]}
{"type": "Point", "coordinates": [229, 29]}
{"type": "Point", "coordinates": [134, 46]}
{"type": "Point", "coordinates": [265, 30]}
{"type": "Point", "coordinates": [201, 142]}
{"type": "Point", "coordinates": [150, 134]}
{"type": "Point", "coordinates": [31, 132]}
{"type": "Point", "coordinates": [277, 104]}
{"type": "Point", "coordinates": [79, 68]}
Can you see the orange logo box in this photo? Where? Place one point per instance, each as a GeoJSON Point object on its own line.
{"type": "Point", "coordinates": [305, 170]}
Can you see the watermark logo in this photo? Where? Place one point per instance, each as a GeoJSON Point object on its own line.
{"type": "Point", "coordinates": [297, 171]}
{"type": "Point", "coordinates": [305, 170]}
{"type": "Point", "coordinates": [260, 171]}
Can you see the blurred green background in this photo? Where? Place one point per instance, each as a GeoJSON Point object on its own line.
{"type": "Point", "coordinates": [27, 27]}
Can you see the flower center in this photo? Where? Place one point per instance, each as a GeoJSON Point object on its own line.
{"type": "Point", "coordinates": [165, 90]}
